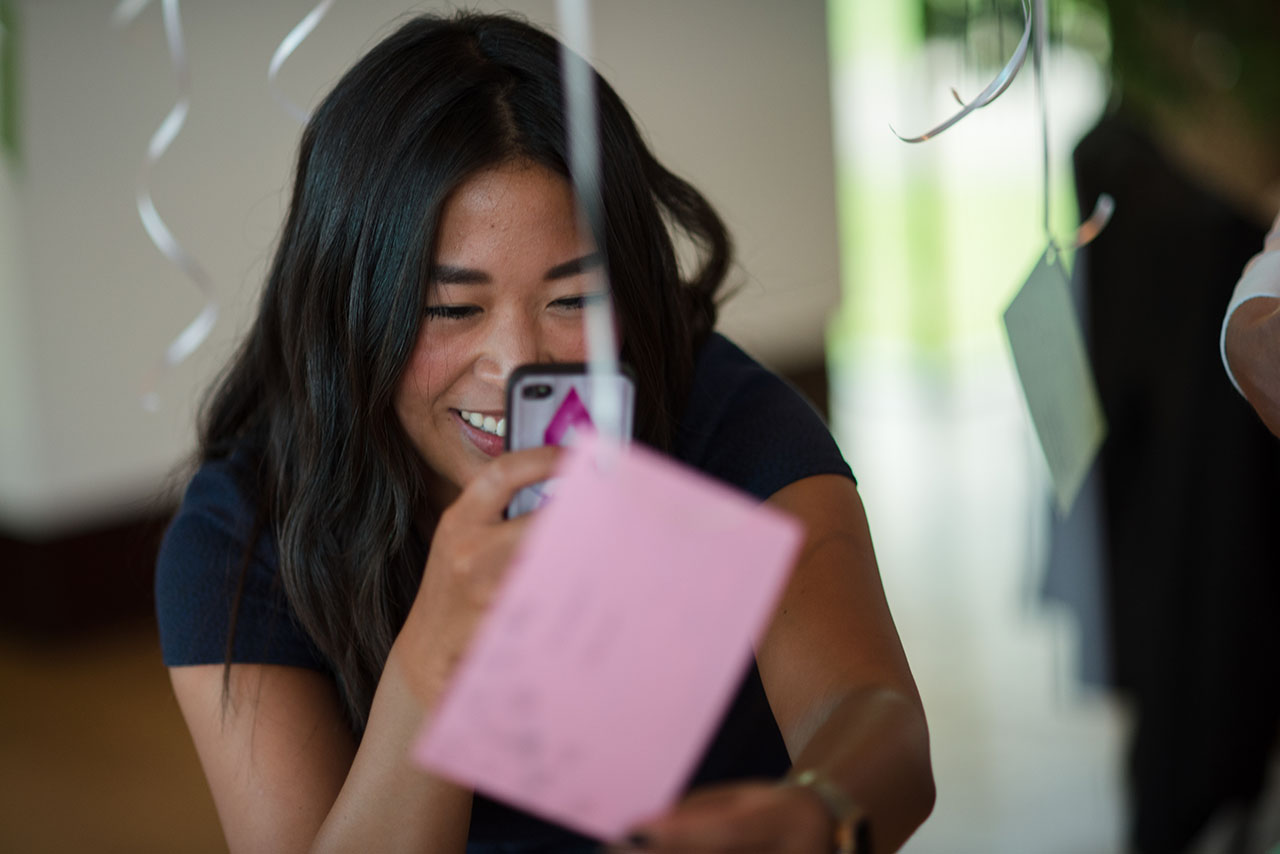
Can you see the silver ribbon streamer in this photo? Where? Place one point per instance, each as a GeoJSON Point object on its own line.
{"type": "Point", "coordinates": [1041, 18]}
{"type": "Point", "coordinates": [198, 329]}
{"type": "Point", "coordinates": [1037, 22]}
{"type": "Point", "coordinates": [283, 52]}
{"type": "Point", "coordinates": [127, 10]}
{"type": "Point", "coordinates": [1097, 221]}
{"type": "Point", "coordinates": [1105, 205]}
{"type": "Point", "coordinates": [993, 90]}
{"type": "Point", "coordinates": [584, 168]}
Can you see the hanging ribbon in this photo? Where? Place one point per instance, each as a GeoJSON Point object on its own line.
{"type": "Point", "coordinates": [1105, 206]}
{"type": "Point", "coordinates": [198, 329]}
{"type": "Point", "coordinates": [1097, 221]}
{"type": "Point", "coordinates": [1035, 21]}
{"type": "Point", "coordinates": [993, 90]}
{"type": "Point", "coordinates": [1041, 18]}
{"type": "Point", "coordinates": [283, 52]}
{"type": "Point", "coordinates": [584, 169]}
{"type": "Point", "coordinates": [9, 137]}
{"type": "Point", "coordinates": [126, 11]}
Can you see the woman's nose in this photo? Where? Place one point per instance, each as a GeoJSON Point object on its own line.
{"type": "Point", "coordinates": [512, 341]}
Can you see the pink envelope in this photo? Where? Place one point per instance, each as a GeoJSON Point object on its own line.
{"type": "Point", "coordinates": [617, 641]}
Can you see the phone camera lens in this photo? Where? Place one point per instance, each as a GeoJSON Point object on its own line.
{"type": "Point", "coordinates": [536, 392]}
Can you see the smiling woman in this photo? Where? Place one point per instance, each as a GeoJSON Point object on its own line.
{"type": "Point", "coordinates": [344, 532]}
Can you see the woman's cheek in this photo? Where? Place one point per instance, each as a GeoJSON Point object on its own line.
{"type": "Point", "coordinates": [569, 340]}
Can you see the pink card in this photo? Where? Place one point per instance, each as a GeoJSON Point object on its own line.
{"type": "Point", "coordinates": [616, 643]}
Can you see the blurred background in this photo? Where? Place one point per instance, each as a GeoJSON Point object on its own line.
{"type": "Point", "coordinates": [1103, 680]}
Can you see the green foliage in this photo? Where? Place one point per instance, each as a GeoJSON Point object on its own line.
{"type": "Point", "coordinates": [991, 28]}
{"type": "Point", "coordinates": [9, 138]}
{"type": "Point", "coordinates": [1180, 52]}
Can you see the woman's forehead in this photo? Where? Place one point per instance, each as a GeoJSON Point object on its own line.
{"type": "Point", "coordinates": [517, 203]}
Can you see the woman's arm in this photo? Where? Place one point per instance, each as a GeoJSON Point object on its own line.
{"type": "Point", "coordinates": [835, 671]}
{"type": "Point", "coordinates": [284, 769]}
{"type": "Point", "coordinates": [286, 774]}
{"type": "Point", "coordinates": [843, 696]}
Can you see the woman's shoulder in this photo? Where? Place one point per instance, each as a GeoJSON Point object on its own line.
{"type": "Point", "coordinates": [217, 566]}
{"type": "Point", "coordinates": [745, 425]}
{"type": "Point", "coordinates": [218, 513]}
{"type": "Point", "coordinates": [221, 492]}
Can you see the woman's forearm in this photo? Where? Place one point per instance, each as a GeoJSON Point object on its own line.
{"type": "Point", "coordinates": [874, 745]}
{"type": "Point", "coordinates": [385, 796]}
{"type": "Point", "coordinates": [387, 802]}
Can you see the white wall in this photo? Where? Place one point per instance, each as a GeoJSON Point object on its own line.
{"type": "Point", "coordinates": [18, 449]}
{"type": "Point", "coordinates": [733, 94]}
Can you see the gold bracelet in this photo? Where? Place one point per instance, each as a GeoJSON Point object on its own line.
{"type": "Point", "coordinates": [852, 834]}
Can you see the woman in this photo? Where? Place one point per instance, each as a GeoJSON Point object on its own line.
{"type": "Point", "coordinates": [345, 531]}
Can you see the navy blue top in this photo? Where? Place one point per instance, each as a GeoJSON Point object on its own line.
{"type": "Point", "coordinates": [742, 425]}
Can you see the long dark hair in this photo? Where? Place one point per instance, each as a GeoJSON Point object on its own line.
{"type": "Point", "coordinates": [309, 393]}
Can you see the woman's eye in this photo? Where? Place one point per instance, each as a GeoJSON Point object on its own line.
{"type": "Point", "coordinates": [451, 312]}
{"type": "Point", "coordinates": [576, 303]}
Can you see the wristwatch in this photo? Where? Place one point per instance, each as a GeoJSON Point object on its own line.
{"type": "Point", "coordinates": [853, 832]}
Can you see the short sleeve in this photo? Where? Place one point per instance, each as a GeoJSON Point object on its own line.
{"type": "Point", "coordinates": [205, 573]}
{"type": "Point", "coordinates": [749, 428]}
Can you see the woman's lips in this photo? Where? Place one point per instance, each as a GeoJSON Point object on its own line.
{"type": "Point", "coordinates": [488, 442]}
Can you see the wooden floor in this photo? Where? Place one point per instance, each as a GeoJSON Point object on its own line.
{"type": "Point", "coordinates": [94, 755]}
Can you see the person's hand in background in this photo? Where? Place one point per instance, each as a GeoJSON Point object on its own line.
{"type": "Point", "coordinates": [1251, 338]}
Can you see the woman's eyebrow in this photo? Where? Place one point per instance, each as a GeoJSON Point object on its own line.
{"type": "Point", "coordinates": [447, 274]}
{"type": "Point", "coordinates": [574, 267]}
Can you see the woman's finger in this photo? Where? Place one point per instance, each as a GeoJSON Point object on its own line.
{"type": "Point", "coordinates": [493, 488]}
{"type": "Point", "coordinates": [490, 567]}
{"type": "Point", "coordinates": [750, 817]}
{"type": "Point", "coordinates": [740, 818]}
{"type": "Point", "coordinates": [1273, 237]}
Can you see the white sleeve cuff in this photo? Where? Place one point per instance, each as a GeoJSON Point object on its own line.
{"type": "Point", "coordinates": [1261, 280]}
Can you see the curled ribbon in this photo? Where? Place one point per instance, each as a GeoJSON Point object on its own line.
{"type": "Point", "coordinates": [993, 90]}
{"type": "Point", "coordinates": [1105, 206]}
{"type": "Point", "coordinates": [1092, 227]}
{"type": "Point", "coordinates": [286, 48]}
{"type": "Point", "coordinates": [194, 334]}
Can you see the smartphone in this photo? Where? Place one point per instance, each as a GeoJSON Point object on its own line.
{"type": "Point", "coordinates": [549, 405]}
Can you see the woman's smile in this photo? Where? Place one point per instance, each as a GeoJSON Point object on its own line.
{"type": "Point", "coordinates": [486, 432]}
{"type": "Point", "coordinates": [496, 424]}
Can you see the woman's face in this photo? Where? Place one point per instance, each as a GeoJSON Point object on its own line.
{"type": "Point", "coordinates": [511, 271]}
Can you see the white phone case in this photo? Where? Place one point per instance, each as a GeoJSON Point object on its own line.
{"type": "Point", "coordinates": [548, 405]}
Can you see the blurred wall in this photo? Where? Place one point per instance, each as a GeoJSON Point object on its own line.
{"type": "Point", "coordinates": [17, 401]}
{"type": "Point", "coordinates": [733, 94]}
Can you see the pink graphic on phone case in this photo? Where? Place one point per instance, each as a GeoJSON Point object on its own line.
{"type": "Point", "coordinates": [571, 415]}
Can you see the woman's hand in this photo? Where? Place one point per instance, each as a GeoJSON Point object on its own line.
{"type": "Point", "coordinates": [741, 817]}
{"type": "Point", "coordinates": [1253, 346]}
{"type": "Point", "coordinates": [1253, 351]}
{"type": "Point", "coordinates": [386, 797]}
{"type": "Point", "coordinates": [470, 551]}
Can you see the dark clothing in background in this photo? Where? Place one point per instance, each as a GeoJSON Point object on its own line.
{"type": "Point", "coordinates": [743, 426]}
{"type": "Point", "coordinates": [1190, 491]}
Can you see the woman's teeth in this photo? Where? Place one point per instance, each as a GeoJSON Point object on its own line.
{"type": "Point", "coordinates": [487, 423]}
